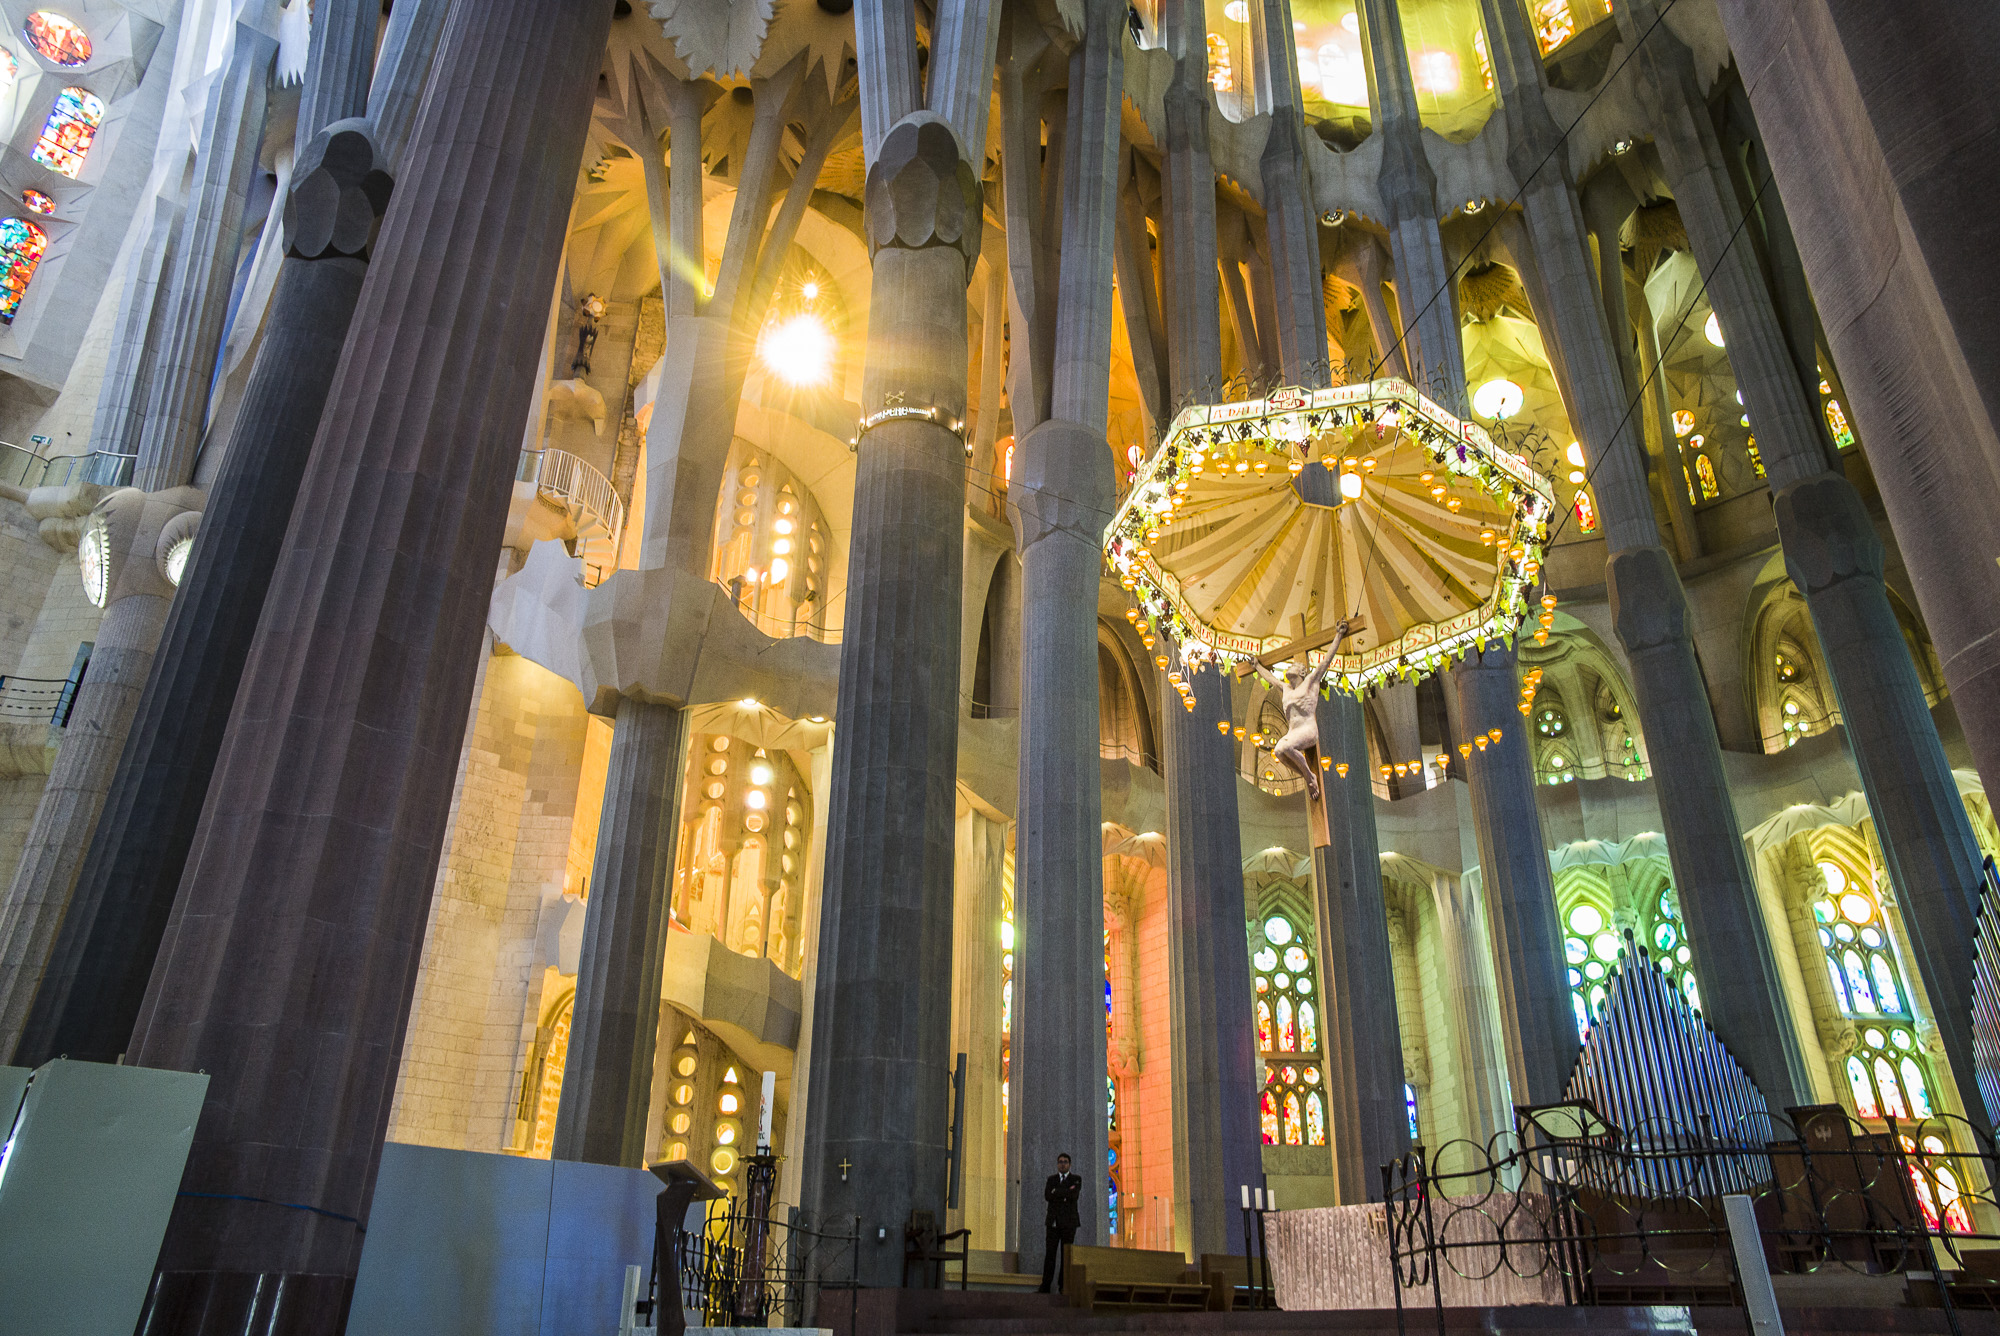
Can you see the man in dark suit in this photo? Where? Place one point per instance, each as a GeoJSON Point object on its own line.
{"type": "Point", "coordinates": [1061, 1194]}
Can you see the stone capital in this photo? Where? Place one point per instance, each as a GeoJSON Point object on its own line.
{"type": "Point", "coordinates": [340, 190]}
{"type": "Point", "coordinates": [136, 532]}
{"type": "Point", "coordinates": [922, 192]}
{"type": "Point", "coordinates": [1648, 606]}
{"type": "Point", "coordinates": [1827, 534]}
{"type": "Point", "coordinates": [1061, 484]}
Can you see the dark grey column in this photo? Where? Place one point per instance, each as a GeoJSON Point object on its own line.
{"type": "Point", "coordinates": [290, 959]}
{"type": "Point", "coordinates": [1902, 320]}
{"type": "Point", "coordinates": [1741, 994]}
{"type": "Point", "coordinates": [1927, 841]}
{"type": "Point", "coordinates": [876, 1110]}
{"type": "Point", "coordinates": [607, 1080]}
{"type": "Point", "coordinates": [1364, 1069]}
{"type": "Point", "coordinates": [1834, 557]}
{"type": "Point", "coordinates": [340, 60]}
{"type": "Point", "coordinates": [1519, 893]}
{"type": "Point", "coordinates": [204, 264]}
{"type": "Point", "coordinates": [1218, 1145]}
{"type": "Point", "coordinates": [104, 954]}
{"type": "Point", "coordinates": [402, 71]}
{"type": "Point", "coordinates": [1062, 494]}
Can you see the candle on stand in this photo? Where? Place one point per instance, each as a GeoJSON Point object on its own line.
{"type": "Point", "coordinates": [1270, 1199]}
{"type": "Point", "coordinates": [1246, 1196]}
{"type": "Point", "coordinates": [764, 1112]}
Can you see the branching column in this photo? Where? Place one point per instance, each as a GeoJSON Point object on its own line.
{"type": "Point", "coordinates": [290, 958]}
{"type": "Point", "coordinates": [1741, 992]}
{"type": "Point", "coordinates": [111, 934]}
{"type": "Point", "coordinates": [1218, 1146]}
{"type": "Point", "coordinates": [1062, 493]}
{"type": "Point", "coordinates": [1835, 558]}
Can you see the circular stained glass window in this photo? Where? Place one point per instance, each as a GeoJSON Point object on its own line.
{"type": "Point", "coordinates": [1670, 903]}
{"type": "Point", "coordinates": [37, 202]}
{"type": "Point", "coordinates": [1823, 910]}
{"type": "Point", "coordinates": [1576, 951]}
{"type": "Point", "coordinates": [1305, 985]}
{"type": "Point", "coordinates": [1283, 980]}
{"type": "Point", "coordinates": [56, 38]}
{"type": "Point", "coordinates": [1836, 880]}
{"type": "Point", "coordinates": [1902, 1038]}
{"type": "Point", "coordinates": [1874, 1038]}
{"type": "Point", "coordinates": [1574, 978]}
{"type": "Point", "coordinates": [1664, 936]}
{"type": "Point", "coordinates": [1295, 959]}
{"type": "Point", "coordinates": [1594, 970]}
{"type": "Point", "coordinates": [1684, 955]}
{"type": "Point", "coordinates": [1312, 1076]}
{"type": "Point", "coordinates": [1871, 938]}
{"type": "Point", "coordinates": [1277, 931]}
{"type": "Point", "coordinates": [1605, 946]}
{"type": "Point", "coordinates": [723, 1160]}
{"type": "Point", "coordinates": [1844, 931]}
{"type": "Point", "coordinates": [1825, 937]}
{"type": "Point", "coordinates": [1289, 1075]}
{"type": "Point", "coordinates": [1267, 959]}
{"type": "Point", "coordinates": [1585, 920]}
{"type": "Point", "coordinates": [1263, 984]}
{"type": "Point", "coordinates": [1856, 907]}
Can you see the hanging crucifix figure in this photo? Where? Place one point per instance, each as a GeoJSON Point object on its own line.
{"type": "Point", "coordinates": [1299, 697]}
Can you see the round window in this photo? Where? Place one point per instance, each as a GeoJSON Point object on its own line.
{"type": "Point", "coordinates": [1585, 920]}
{"type": "Point", "coordinates": [1277, 931]}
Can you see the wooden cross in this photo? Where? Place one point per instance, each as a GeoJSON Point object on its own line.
{"type": "Point", "coordinates": [1306, 643]}
{"type": "Point", "coordinates": [845, 1165]}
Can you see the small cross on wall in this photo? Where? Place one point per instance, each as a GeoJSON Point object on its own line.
{"type": "Point", "coordinates": [845, 1165]}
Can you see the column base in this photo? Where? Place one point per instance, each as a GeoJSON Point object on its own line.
{"type": "Point", "coordinates": [246, 1303]}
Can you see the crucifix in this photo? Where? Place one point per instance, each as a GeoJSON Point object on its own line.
{"type": "Point", "coordinates": [1299, 695]}
{"type": "Point", "coordinates": [844, 1166]}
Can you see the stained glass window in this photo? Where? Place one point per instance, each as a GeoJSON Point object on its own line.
{"type": "Point", "coordinates": [58, 39]}
{"type": "Point", "coordinates": [1287, 1032]}
{"type": "Point", "coordinates": [37, 202]}
{"type": "Point", "coordinates": [1586, 512]}
{"type": "Point", "coordinates": [1410, 1107]}
{"type": "Point", "coordinates": [1592, 949]}
{"type": "Point", "coordinates": [1706, 472]}
{"type": "Point", "coordinates": [1836, 422]}
{"type": "Point", "coordinates": [69, 131]}
{"type": "Point", "coordinates": [1887, 1076]}
{"type": "Point", "coordinates": [21, 247]}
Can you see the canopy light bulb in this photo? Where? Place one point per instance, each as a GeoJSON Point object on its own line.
{"type": "Point", "coordinates": [1239, 733]}
{"type": "Point", "coordinates": [1480, 741]}
{"type": "Point", "coordinates": [1493, 733]}
{"type": "Point", "coordinates": [1222, 726]}
{"type": "Point", "coordinates": [1350, 486]}
{"type": "Point", "coordinates": [1340, 768]}
{"type": "Point", "coordinates": [1465, 750]}
{"type": "Point", "coordinates": [1326, 762]}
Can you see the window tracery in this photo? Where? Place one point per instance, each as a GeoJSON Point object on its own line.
{"type": "Point", "coordinates": [1887, 1074]}
{"type": "Point", "coordinates": [1285, 985]}
{"type": "Point", "coordinates": [1593, 945]}
{"type": "Point", "coordinates": [745, 833]}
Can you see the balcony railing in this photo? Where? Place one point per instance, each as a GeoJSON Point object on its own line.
{"type": "Point", "coordinates": [593, 505]}
{"type": "Point", "coordinates": [32, 700]}
{"type": "Point", "coordinates": [27, 469]}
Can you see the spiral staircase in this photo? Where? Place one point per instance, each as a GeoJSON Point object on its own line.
{"type": "Point", "coordinates": [559, 496]}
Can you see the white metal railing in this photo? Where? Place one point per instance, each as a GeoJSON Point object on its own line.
{"type": "Point", "coordinates": [567, 480]}
{"type": "Point", "coordinates": [27, 468]}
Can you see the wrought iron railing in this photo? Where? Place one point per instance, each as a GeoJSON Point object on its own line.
{"type": "Point", "coordinates": [723, 1280]}
{"type": "Point", "coordinates": [27, 700]}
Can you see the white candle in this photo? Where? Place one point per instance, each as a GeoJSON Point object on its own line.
{"type": "Point", "coordinates": [1260, 1199]}
{"type": "Point", "coordinates": [1270, 1199]}
{"type": "Point", "coordinates": [1246, 1196]}
{"type": "Point", "coordinates": [764, 1111]}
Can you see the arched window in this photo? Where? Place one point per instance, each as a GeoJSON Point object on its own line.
{"type": "Point", "coordinates": [1592, 947]}
{"type": "Point", "coordinates": [1887, 1075]}
{"type": "Point", "coordinates": [1706, 472]}
{"type": "Point", "coordinates": [1555, 759]}
{"type": "Point", "coordinates": [21, 247]}
{"type": "Point", "coordinates": [746, 828]}
{"type": "Point", "coordinates": [1410, 1108]}
{"type": "Point", "coordinates": [1286, 988]}
{"type": "Point", "coordinates": [1586, 512]}
{"type": "Point", "coordinates": [773, 548]}
{"type": "Point", "coordinates": [69, 131]}
{"type": "Point", "coordinates": [1836, 423]}
{"type": "Point", "coordinates": [59, 40]}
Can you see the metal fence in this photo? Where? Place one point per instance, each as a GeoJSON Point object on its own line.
{"type": "Point", "coordinates": [1624, 1220]}
{"type": "Point", "coordinates": [29, 469]}
{"type": "Point", "coordinates": [28, 700]}
{"type": "Point", "coordinates": [740, 1270]}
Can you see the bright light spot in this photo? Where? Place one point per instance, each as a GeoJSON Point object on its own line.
{"type": "Point", "coordinates": [1497, 399]}
{"type": "Point", "coordinates": [798, 351]}
{"type": "Point", "coordinates": [754, 799]}
{"type": "Point", "coordinates": [1435, 72]}
{"type": "Point", "coordinates": [1341, 75]}
{"type": "Point", "coordinates": [1351, 22]}
{"type": "Point", "coordinates": [780, 568]}
{"type": "Point", "coordinates": [1574, 454]}
{"type": "Point", "coordinates": [760, 774]}
{"type": "Point", "coordinates": [1350, 485]}
{"type": "Point", "coordinates": [748, 703]}
{"type": "Point", "coordinates": [1006, 936]}
{"type": "Point", "coordinates": [1712, 330]}
{"type": "Point", "coordinates": [1236, 11]}
{"type": "Point", "coordinates": [1576, 475]}
{"type": "Point", "coordinates": [809, 290]}
{"type": "Point", "coordinates": [782, 546]}
{"type": "Point", "coordinates": [783, 526]}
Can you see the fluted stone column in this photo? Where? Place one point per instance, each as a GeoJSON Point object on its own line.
{"type": "Point", "coordinates": [127, 529]}
{"type": "Point", "coordinates": [1741, 993]}
{"type": "Point", "coordinates": [607, 1079]}
{"type": "Point", "coordinates": [1062, 492]}
{"type": "Point", "coordinates": [1366, 1118]}
{"type": "Point", "coordinates": [1514, 868]}
{"type": "Point", "coordinates": [104, 955]}
{"type": "Point", "coordinates": [1835, 558]}
{"type": "Point", "coordinates": [204, 264]}
{"type": "Point", "coordinates": [1218, 1144]}
{"type": "Point", "coordinates": [882, 1009]}
{"type": "Point", "coordinates": [318, 849]}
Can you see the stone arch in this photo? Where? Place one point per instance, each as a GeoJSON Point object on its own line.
{"type": "Point", "coordinates": [1791, 691]}
{"type": "Point", "coordinates": [1596, 701]}
{"type": "Point", "coordinates": [1124, 719]}
{"type": "Point", "coordinates": [996, 666]}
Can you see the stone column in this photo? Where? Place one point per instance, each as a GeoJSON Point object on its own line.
{"type": "Point", "coordinates": [1835, 558]}
{"type": "Point", "coordinates": [319, 846]}
{"type": "Point", "coordinates": [980, 851]}
{"type": "Point", "coordinates": [204, 265]}
{"type": "Point", "coordinates": [882, 1004]}
{"type": "Point", "coordinates": [1514, 867]}
{"type": "Point", "coordinates": [124, 533]}
{"type": "Point", "coordinates": [1365, 1114]}
{"type": "Point", "coordinates": [402, 72]}
{"type": "Point", "coordinates": [1218, 1146]}
{"type": "Point", "coordinates": [1745, 1001]}
{"type": "Point", "coordinates": [1474, 995]}
{"type": "Point", "coordinates": [339, 64]}
{"type": "Point", "coordinates": [607, 1079]}
{"type": "Point", "coordinates": [1062, 494]}
{"type": "Point", "coordinates": [104, 954]}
